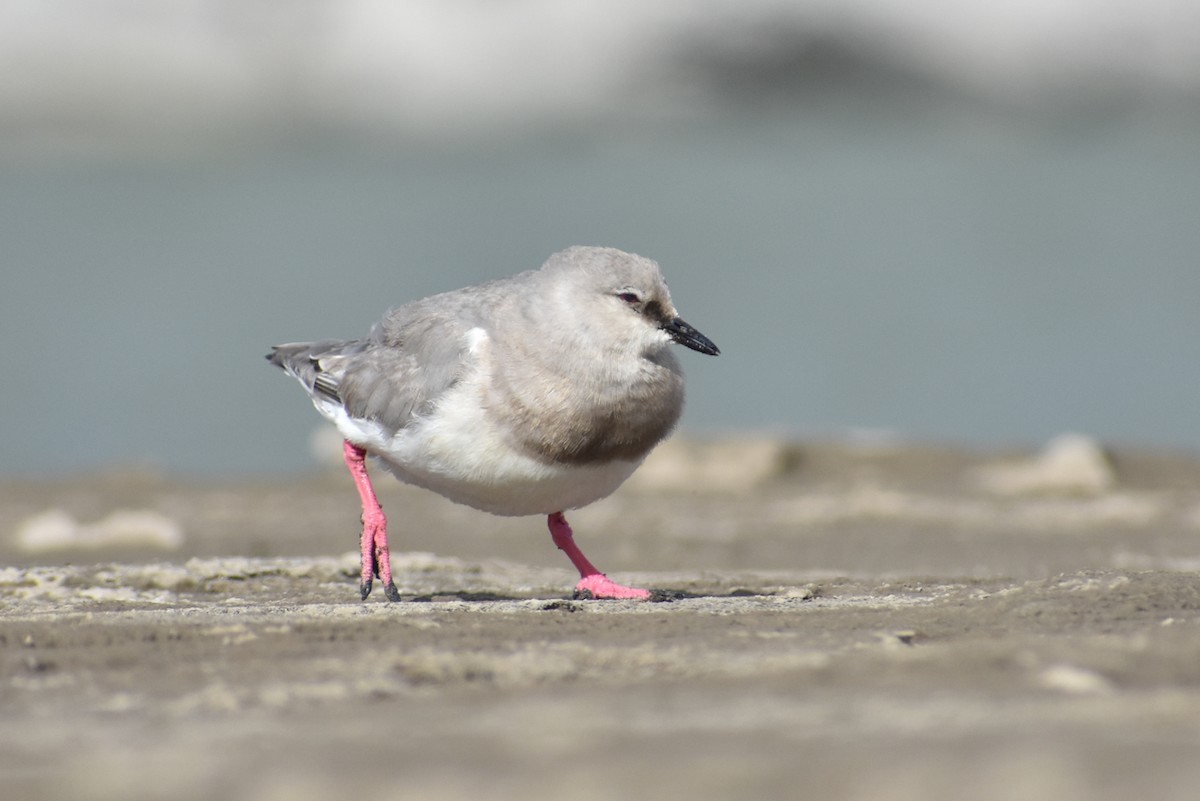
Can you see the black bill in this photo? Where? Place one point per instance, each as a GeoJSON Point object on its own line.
{"type": "Point", "coordinates": [689, 337]}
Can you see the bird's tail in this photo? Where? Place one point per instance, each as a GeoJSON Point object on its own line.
{"type": "Point", "coordinates": [303, 361]}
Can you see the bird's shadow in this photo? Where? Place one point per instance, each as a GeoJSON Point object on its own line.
{"type": "Point", "coordinates": [463, 595]}
{"type": "Point", "coordinates": [656, 596]}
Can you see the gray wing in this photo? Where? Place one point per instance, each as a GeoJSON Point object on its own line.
{"type": "Point", "coordinates": [391, 376]}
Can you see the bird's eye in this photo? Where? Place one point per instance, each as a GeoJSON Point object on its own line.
{"type": "Point", "coordinates": [629, 297]}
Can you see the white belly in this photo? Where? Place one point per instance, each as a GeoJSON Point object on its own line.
{"type": "Point", "coordinates": [458, 453]}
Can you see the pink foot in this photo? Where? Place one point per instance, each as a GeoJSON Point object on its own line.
{"type": "Point", "coordinates": [593, 583]}
{"type": "Point", "coordinates": [599, 585]}
{"type": "Point", "coordinates": [376, 557]}
{"type": "Point", "coordinates": [376, 560]}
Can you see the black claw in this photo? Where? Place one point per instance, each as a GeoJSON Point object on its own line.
{"type": "Point", "coordinates": [390, 591]}
{"type": "Point", "coordinates": [583, 595]}
{"type": "Point", "coordinates": [365, 588]}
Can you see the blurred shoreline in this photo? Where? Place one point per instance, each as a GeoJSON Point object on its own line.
{"type": "Point", "coordinates": [737, 503]}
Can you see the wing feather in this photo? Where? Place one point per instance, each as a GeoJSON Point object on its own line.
{"type": "Point", "coordinates": [390, 377]}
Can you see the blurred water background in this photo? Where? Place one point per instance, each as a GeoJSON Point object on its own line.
{"type": "Point", "coordinates": [974, 223]}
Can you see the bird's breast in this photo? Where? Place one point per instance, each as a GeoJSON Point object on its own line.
{"type": "Point", "coordinates": [581, 424]}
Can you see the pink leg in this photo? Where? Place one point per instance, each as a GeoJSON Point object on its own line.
{"type": "Point", "coordinates": [374, 544]}
{"type": "Point", "coordinates": [593, 583]}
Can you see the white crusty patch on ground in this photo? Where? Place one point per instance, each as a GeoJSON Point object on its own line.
{"type": "Point", "coordinates": [1069, 464]}
{"type": "Point", "coordinates": [320, 587]}
{"type": "Point", "coordinates": [57, 530]}
{"type": "Point", "coordinates": [885, 504]}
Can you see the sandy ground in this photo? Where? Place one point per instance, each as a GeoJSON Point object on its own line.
{"type": "Point", "coordinates": [860, 622]}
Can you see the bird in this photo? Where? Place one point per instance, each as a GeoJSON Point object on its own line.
{"type": "Point", "coordinates": [534, 394]}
